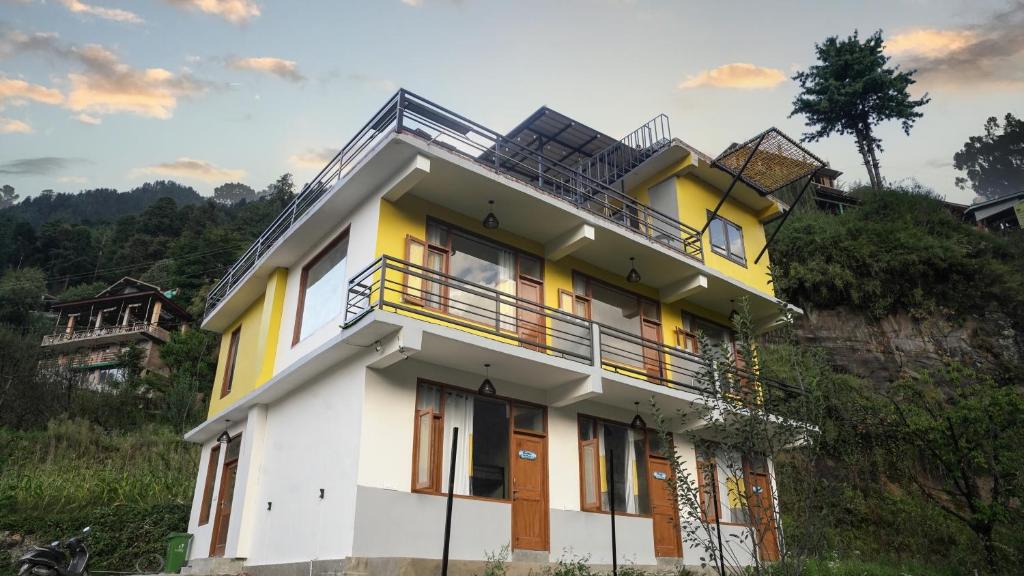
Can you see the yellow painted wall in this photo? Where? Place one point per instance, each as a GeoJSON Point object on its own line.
{"type": "Point", "coordinates": [409, 217]}
{"type": "Point", "coordinates": [695, 198]}
{"type": "Point", "coordinates": [257, 344]}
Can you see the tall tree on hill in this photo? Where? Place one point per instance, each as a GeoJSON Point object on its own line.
{"type": "Point", "coordinates": [993, 162]}
{"type": "Point", "coordinates": [233, 192]}
{"type": "Point", "coordinates": [851, 90]}
{"type": "Point", "coordinates": [7, 196]}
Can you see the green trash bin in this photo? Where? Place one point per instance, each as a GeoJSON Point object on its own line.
{"type": "Point", "coordinates": [177, 551]}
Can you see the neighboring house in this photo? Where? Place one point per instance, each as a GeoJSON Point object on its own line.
{"type": "Point", "coordinates": [90, 335]}
{"type": "Point", "coordinates": [437, 274]}
{"type": "Point", "coordinates": [1003, 213]}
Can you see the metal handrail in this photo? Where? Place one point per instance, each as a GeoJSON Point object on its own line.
{"type": "Point", "coordinates": [676, 367]}
{"type": "Point", "coordinates": [385, 284]}
{"type": "Point", "coordinates": [619, 158]}
{"type": "Point", "coordinates": [408, 113]}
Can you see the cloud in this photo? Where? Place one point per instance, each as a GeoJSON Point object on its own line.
{"type": "Point", "coordinates": [929, 42]}
{"type": "Point", "coordinates": [286, 69]}
{"type": "Point", "coordinates": [87, 119]}
{"type": "Point", "coordinates": [234, 11]}
{"type": "Point", "coordinates": [12, 126]}
{"type": "Point", "coordinates": [990, 53]}
{"type": "Point", "coordinates": [739, 75]}
{"type": "Point", "coordinates": [105, 85]}
{"type": "Point", "coordinates": [191, 168]}
{"type": "Point", "coordinates": [14, 91]}
{"type": "Point", "coordinates": [72, 179]}
{"type": "Point", "coordinates": [39, 166]}
{"type": "Point", "coordinates": [313, 158]}
{"type": "Point", "coordinates": [413, 3]}
{"type": "Point", "coordinates": [115, 14]}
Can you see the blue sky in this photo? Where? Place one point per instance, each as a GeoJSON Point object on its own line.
{"type": "Point", "coordinates": [113, 93]}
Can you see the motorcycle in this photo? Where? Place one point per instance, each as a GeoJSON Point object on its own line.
{"type": "Point", "coordinates": [68, 558]}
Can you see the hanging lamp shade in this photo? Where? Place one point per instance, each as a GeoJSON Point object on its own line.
{"type": "Point", "coordinates": [634, 276]}
{"type": "Point", "coordinates": [491, 221]}
{"type": "Point", "coordinates": [638, 422]}
{"type": "Point", "coordinates": [486, 387]}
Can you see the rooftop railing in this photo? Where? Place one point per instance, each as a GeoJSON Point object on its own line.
{"type": "Point", "coordinates": [407, 113]}
{"type": "Point", "coordinates": [618, 159]}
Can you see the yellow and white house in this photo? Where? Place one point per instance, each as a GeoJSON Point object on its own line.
{"type": "Point", "coordinates": [564, 266]}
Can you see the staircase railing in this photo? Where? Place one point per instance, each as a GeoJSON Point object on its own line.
{"type": "Point", "coordinates": [618, 159]}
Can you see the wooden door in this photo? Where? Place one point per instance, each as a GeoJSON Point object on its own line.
{"type": "Point", "coordinates": [529, 493]}
{"type": "Point", "coordinates": [664, 512]}
{"type": "Point", "coordinates": [651, 331]}
{"type": "Point", "coordinates": [223, 518]}
{"type": "Point", "coordinates": [762, 510]}
{"type": "Point", "coordinates": [531, 321]}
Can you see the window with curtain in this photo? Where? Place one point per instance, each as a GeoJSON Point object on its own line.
{"type": "Point", "coordinates": [473, 259]}
{"type": "Point", "coordinates": [727, 239]}
{"type": "Point", "coordinates": [621, 310]}
{"type": "Point", "coordinates": [322, 288]}
{"type": "Point", "coordinates": [482, 451]}
{"type": "Point", "coordinates": [722, 469]}
{"type": "Point", "coordinates": [625, 484]}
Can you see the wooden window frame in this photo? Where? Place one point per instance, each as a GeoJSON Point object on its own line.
{"type": "Point", "coordinates": [647, 456]}
{"type": "Point", "coordinates": [228, 379]}
{"type": "Point", "coordinates": [304, 277]}
{"type": "Point", "coordinates": [712, 449]}
{"type": "Point", "coordinates": [437, 448]}
{"type": "Point", "coordinates": [727, 253]}
{"type": "Point", "coordinates": [212, 465]}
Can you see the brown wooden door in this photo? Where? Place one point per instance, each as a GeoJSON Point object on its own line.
{"type": "Point", "coordinates": [762, 512]}
{"type": "Point", "coordinates": [223, 518]}
{"type": "Point", "coordinates": [651, 331]}
{"type": "Point", "coordinates": [663, 511]}
{"type": "Point", "coordinates": [529, 493]}
{"type": "Point", "coordinates": [531, 322]}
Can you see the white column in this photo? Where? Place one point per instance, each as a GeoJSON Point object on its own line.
{"type": "Point", "coordinates": [245, 509]}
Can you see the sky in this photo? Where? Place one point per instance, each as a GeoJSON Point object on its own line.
{"type": "Point", "coordinates": [114, 93]}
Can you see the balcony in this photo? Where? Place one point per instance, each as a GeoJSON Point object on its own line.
{"type": "Point", "coordinates": [410, 290]}
{"type": "Point", "coordinates": [584, 187]}
{"type": "Point", "coordinates": [105, 335]}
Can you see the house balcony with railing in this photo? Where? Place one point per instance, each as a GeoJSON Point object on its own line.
{"type": "Point", "coordinates": [94, 336]}
{"type": "Point", "coordinates": [545, 192]}
{"type": "Point", "coordinates": [498, 322]}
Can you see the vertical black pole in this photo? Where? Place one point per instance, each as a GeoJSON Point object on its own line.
{"type": "Point", "coordinates": [448, 511]}
{"type": "Point", "coordinates": [611, 508]}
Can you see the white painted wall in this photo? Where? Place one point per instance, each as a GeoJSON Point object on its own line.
{"type": "Point", "coordinates": [362, 247]}
{"type": "Point", "coordinates": [312, 442]}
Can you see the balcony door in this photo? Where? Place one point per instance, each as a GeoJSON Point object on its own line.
{"type": "Point", "coordinates": [631, 325]}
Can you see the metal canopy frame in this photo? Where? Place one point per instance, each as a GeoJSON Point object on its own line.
{"type": "Point", "coordinates": [554, 136]}
{"type": "Point", "coordinates": [767, 163]}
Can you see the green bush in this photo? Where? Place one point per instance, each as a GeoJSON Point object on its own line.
{"type": "Point", "coordinates": [899, 251]}
{"type": "Point", "coordinates": [132, 488]}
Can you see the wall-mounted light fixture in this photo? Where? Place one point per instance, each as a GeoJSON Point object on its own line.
{"type": "Point", "coordinates": [224, 437]}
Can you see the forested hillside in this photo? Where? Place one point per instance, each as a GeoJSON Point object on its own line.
{"type": "Point", "coordinates": [910, 342]}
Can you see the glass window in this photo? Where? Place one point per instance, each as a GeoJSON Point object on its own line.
{"type": "Point", "coordinates": [530, 266]}
{"type": "Point", "coordinates": [529, 418]}
{"type": "Point", "coordinates": [482, 450]}
{"type": "Point", "coordinates": [613, 465]}
{"type": "Point", "coordinates": [228, 377]}
{"type": "Point", "coordinates": [622, 311]}
{"type": "Point", "coordinates": [727, 239]}
{"type": "Point", "coordinates": [234, 448]}
{"type": "Point", "coordinates": [726, 467]}
{"type": "Point", "coordinates": [324, 287]}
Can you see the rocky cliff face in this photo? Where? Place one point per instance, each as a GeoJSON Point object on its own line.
{"type": "Point", "coordinates": [900, 345]}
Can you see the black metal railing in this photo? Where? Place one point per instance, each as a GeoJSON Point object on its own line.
{"type": "Point", "coordinates": [632, 355]}
{"type": "Point", "coordinates": [404, 287]}
{"type": "Point", "coordinates": [408, 113]}
{"type": "Point", "coordinates": [618, 159]}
